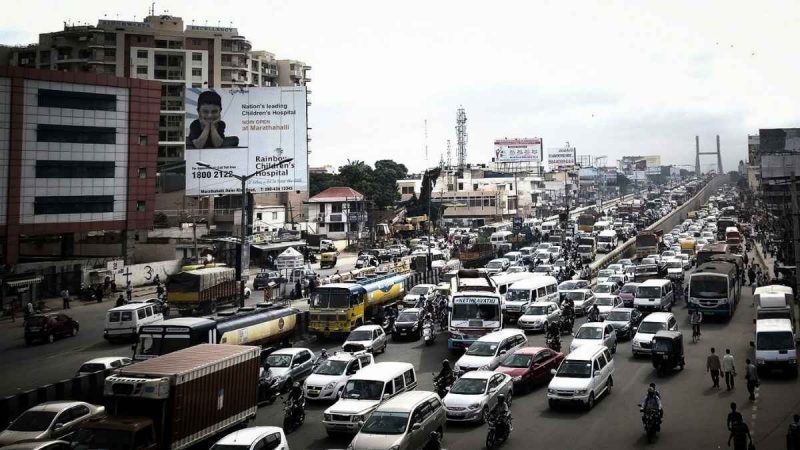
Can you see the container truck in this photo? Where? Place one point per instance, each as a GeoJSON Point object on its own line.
{"type": "Point", "coordinates": [648, 242]}
{"type": "Point", "coordinates": [202, 289]}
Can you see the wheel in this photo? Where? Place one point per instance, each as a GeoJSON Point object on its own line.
{"type": "Point", "coordinates": [590, 403]}
{"type": "Point", "coordinates": [287, 424]}
{"type": "Point", "coordinates": [490, 440]}
{"type": "Point", "coordinates": [509, 397]}
{"type": "Point", "coordinates": [74, 331]}
{"type": "Point", "coordinates": [551, 403]}
{"type": "Point", "coordinates": [484, 414]}
{"type": "Point", "coordinates": [50, 338]}
{"type": "Point", "coordinates": [614, 349]}
{"type": "Point", "coordinates": [609, 385]}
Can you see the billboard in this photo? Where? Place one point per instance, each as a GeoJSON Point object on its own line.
{"type": "Point", "coordinates": [518, 150]}
{"type": "Point", "coordinates": [561, 157]}
{"type": "Point", "coordinates": [244, 131]}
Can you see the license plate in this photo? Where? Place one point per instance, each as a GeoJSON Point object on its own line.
{"type": "Point", "coordinates": [664, 357]}
{"type": "Point", "coordinates": [34, 329]}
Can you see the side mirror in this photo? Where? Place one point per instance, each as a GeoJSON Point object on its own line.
{"type": "Point", "coordinates": [386, 396]}
{"type": "Point", "coordinates": [339, 393]}
{"type": "Point", "coordinates": [416, 427]}
{"type": "Point", "coordinates": [752, 344]}
{"type": "Point", "coordinates": [552, 371]}
{"type": "Point", "coordinates": [58, 426]}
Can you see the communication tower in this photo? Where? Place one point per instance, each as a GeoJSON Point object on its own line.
{"type": "Point", "coordinates": [461, 137]}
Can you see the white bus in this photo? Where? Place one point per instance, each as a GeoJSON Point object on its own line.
{"type": "Point", "coordinates": [473, 314]}
{"type": "Point", "coordinates": [601, 225]}
{"type": "Point", "coordinates": [499, 238]}
{"type": "Point", "coordinates": [606, 241]}
{"type": "Point", "coordinates": [524, 292]}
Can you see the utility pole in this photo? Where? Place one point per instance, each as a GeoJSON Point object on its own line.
{"type": "Point", "coordinates": [795, 238]}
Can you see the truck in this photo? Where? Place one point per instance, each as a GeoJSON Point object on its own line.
{"type": "Point", "coordinates": [474, 256]}
{"type": "Point", "coordinates": [338, 308]}
{"type": "Point", "coordinates": [202, 289]}
{"type": "Point", "coordinates": [648, 242]}
{"type": "Point", "coordinates": [319, 243]}
{"type": "Point", "coordinates": [264, 325]}
{"type": "Point", "coordinates": [586, 221]}
{"type": "Point", "coordinates": [176, 401]}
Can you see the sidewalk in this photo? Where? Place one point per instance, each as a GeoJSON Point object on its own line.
{"type": "Point", "coordinates": [766, 262]}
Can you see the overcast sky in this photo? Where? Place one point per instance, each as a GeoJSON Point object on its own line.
{"type": "Point", "coordinates": [613, 78]}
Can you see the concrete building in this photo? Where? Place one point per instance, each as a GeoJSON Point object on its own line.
{"type": "Point", "coordinates": [629, 164]}
{"type": "Point", "coordinates": [338, 212]}
{"type": "Point", "coordinates": [79, 149]}
{"type": "Point", "coordinates": [778, 159]}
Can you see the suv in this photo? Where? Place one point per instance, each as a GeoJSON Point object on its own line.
{"type": "Point", "coordinates": [643, 339]}
{"type": "Point", "coordinates": [290, 364]}
{"type": "Point", "coordinates": [329, 377]}
{"type": "Point", "coordinates": [47, 327]}
{"type": "Point", "coordinates": [584, 375]}
{"type": "Point", "coordinates": [408, 324]}
{"type": "Point", "coordinates": [405, 422]}
{"type": "Point", "coordinates": [263, 279]}
{"type": "Point", "coordinates": [366, 337]}
{"type": "Point", "coordinates": [487, 352]}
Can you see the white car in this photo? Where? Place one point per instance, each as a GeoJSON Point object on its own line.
{"type": "Point", "coordinates": [413, 296]}
{"type": "Point", "coordinates": [49, 420]}
{"type": "Point", "coordinates": [606, 289]}
{"type": "Point", "coordinates": [288, 365]}
{"type": "Point", "coordinates": [583, 299]}
{"type": "Point", "coordinates": [582, 377]}
{"type": "Point", "coordinates": [595, 333]}
{"type": "Point", "coordinates": [474, 395]}
{"type": "Point", "coordinates": [618, 279]}
{"type": "Point", "coordinates": [366, 337]}
{"type": "Point", "coordinates": [617, 268]}
{"type": "Point", "coordinates": [487, 352]}
{"type": "Point", "coordinates": [327, 380]}
{"type": "Point", "coordinates": [545, 270]}
{"type": "Point", "coordinates": [517, 269]}
{"type": "Point", "coordinates": [98, 364]}
{"type": "Point", "coordinates": [254, 438]}
{"type": "Point", "coordinates": [603, 274]}
{"type": "Point", "coordinates": [497, 265]}
{"type": "Point", "coordinates": [605, 304]}
{"type": "Point", "coordinates": [538, 315]}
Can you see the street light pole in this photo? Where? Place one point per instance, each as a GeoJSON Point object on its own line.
{"type": "Point", "coordinates": [243, 238]}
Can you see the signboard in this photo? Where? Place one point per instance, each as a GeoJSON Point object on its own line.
{"type": "Point", "coordinates": [476, 300]}
{"type": "Point", "coordinates": [516, 224]}
{"type": "Point", "coordinates": [561, 157]}
{"type": "Point", "coordinates": [242, 132]}
{"type": "Point", "coordinates": [518, 150]}
{"type": "Point", "coordinates": [116, 266]}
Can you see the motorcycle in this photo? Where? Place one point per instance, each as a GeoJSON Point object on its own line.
{"type": "Point", "coordinates": [388, 323]}
{"type": "Point", "coordinates": [651, 422]}
{"type": "Point", "coordinates": [268, 387]}
{"type": "Point", "coordinates": [565, 324]}
{"type": "Point", "coordinates": [428, 336]}
{"type": "Point", "coordinates": [553, 343]}
{"type": "Point", "coordinates": [294, 415]}
{"type": "Point", "coordinates": [499, 430]}
{"type": "Point", "coordinates": [440, 385]}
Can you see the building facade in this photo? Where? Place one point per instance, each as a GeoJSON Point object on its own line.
{"type": "Point", "coordinates": [338, 212]}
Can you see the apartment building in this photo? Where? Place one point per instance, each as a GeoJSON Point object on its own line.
{"type": "Point", "coordinates": [338, 212]}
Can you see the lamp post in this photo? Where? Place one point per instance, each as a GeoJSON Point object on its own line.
{"type": "Point", "coordinates": [243, 179]}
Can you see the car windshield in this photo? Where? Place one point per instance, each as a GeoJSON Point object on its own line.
{"type": "Point", "coordinates": [648, 292]}
{"type": "Point", "coordinates": [363, 390]}
{"type": "Point", "coordinates": [567, 285]}
{"type": "Point", "coordinates": [648, 261]}
{"type": "Point", "coordinates": [113, 316]}
{"type": "Point", "coordinates": [589, 333]}
{"type": "Point", "coordinates": [536, 310]}
{"type": "Point", "coordinates": [674, 264]}
{"type": "Point", "coordinates": [574, 296]}
{"type": "Point", "coordinates": [662, 345]}
{"type": "Point", "coordinates": [618, 316]}
{"type": "Point", "coordinates": [360, 335]}
{"type": "Point", "coordinates": [33, 421]}
{"type": "Point", "coordinates": [604, 301]}
{"type": "Point", "coordinates": [518, 295]}
{"type": "Point", "coordinates": [408, 317]}
{"type": "Point", "coordinates": [775, 340]}
{"type": "Point", "coordinates": [605, 273]}
{"type": "Point", "coordinates": [480, 348]}
{"type": "Point", "coordinates": [575, 369]}
{"type": "Point", "coordinates": [472, 311]}
{"type": "Point", "coordinates": [494, 264]}
{"type": "Point", "coordinates": [384, 422]}
{"type": "Point", "coordinates": [331, 367]}
{"type": "Point", "coordinates": [603, 289]}
{"type": "Point", "coordinates": [279, 360]}
{"type": "Point", "coordinates": [652, 327]}
{"type": "Point", "coordinates": [517, 360]}
{"type": "Point", "coordinates": [469, 386]}
{"type": "Point", "coordinates": [629, 288]}
{"type": "Point", "coordinates": [101, 439]}
{"type": "Point", "coordinates": [93, 367]}
{"type": "Point", "coordinates": [543, 269]}
{"type": "Point", "coordinates": [154, 345]}
{"type": "Point", "coordinates": [418, 290]}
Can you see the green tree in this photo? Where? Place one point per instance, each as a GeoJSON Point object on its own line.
{"type": "Point", "coordinates": [318, 182]}
{"type": "Point", "coordinates": [623, 182]}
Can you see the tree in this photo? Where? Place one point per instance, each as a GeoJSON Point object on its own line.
{"type": "Point", "coordinates": [318, 182]}
{"type": "Point", "coordinates": [623, 182]}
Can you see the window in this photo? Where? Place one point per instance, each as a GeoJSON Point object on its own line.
{"type": "Point", "coordinates": [389, 389]}
{"type": "Point", "coordinates": [149, 311]}
{"type": "Point", "coordinates": [197, 72]}
{"type": "Point", "coordinates": [141, 54]}
{"type": "Point", "coordinates": [197, 85]}
{"type": "Point", "coordinates": [596, 366]}
{"type": "Point", "coordinates": [141, 313]}
{"type": "Point", "coordinates": [197, 56]}
{"type": "Point", "coordinates": [78, 412]}
{"type": "Point", "coordinates": [336, 207]}
{"type": "Point", "coordinates": [140, 205]}
{"type": "Point", "coordinates": [409, 376]}
{"type": "Point", "coordinates": [271, 442]}
{"type": "Point", "coordinates": [551, 288]}
{"type": "Point", "coordinates": [50, 98]}
{"type": "Point", "coordinates": [274, 216]}
{"type": "Point", "coordinates": [73, 204]}
{"type": "Point", "coordinates": [142, 173]}
{"type": "Point", "coordinates": [336, 227]}
{"type": "Point", "coordinates": [601, 360]}
{"type": "Point", "coordinates": [75, 134]}
{"type": "Point", "coordinates": [607, 354]}
{"type": "Point", "coordinates": [197, 41]}
{"type": "Point", "coordinates": [399, 385]}
{"type": "Point", "coordinates": [365, 361]}
{"type": "Point", "coordinates": [74, 169]}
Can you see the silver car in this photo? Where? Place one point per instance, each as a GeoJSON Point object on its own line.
{"type": "Point", "coordinates": [475, 394]}
{"type": "Point", "coordinates": [49, 420]}
{"type": "Point", "coordinates": [289, 365]}
{"type": "Point", "coordinates": [40, 445]}
{"type": "Point", "coordinates": [402, 423]}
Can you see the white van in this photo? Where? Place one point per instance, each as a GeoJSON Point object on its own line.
{"type": "Point", "coordinates": [775, 346]}
{"type": "Point", "coordinates": [499, 238]}
{"type": "Point", "coordinates": [504, 280]}
{"type": "Point", "coordinates": [487, 352]}
{"type": "Point", "coordinates": [600, 226]}
{"type": "Point", "coordinates": [123, 322]}
{"type": "Point", "coordinates": [606, 241]}
{"type": "Point", "coordinates": [513, 257]}
{"type": "Point", "coordinates": [522, 293]}
{"type": "Point", "coordinates": [364, 391]}
{"type": "Point", "coordinates": [549, 226]}
{"type": "Point", "coordinates": [774, 302]}
{"type": "Point", "coordinates": [642, 341]}
{"type": "Point", "coordinates": [585, 374]}
{"type": "Point", "coordinates": [654, 295]}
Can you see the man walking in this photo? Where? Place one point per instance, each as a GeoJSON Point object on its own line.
{"type": "Point", "coordinates": [740, 434]}
{"type": "Point", "coordinates": [751, 375]}
{"type": "Point", "coordinates": [793, 435]}
{"type": "Point", "coordinates": [65, 298]}
{"type": "Point", "coordinates": [729, 369]}
{"type": "Point", "coordinates": [713, 365]}
{"type": "Point", "coordinates": [733, 416]}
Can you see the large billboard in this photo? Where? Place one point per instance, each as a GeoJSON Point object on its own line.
{"type": "Point", "coordinates": [518, 150]}
{"type": "Point", "coordinates": [561, 158]}
{"type": "Point", "coordinates": [244, 131]}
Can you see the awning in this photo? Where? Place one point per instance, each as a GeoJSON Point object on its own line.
{"type": "Point", "coordinates": [24, 282]}
{"type": "Point", "coordinates": [279, 245]}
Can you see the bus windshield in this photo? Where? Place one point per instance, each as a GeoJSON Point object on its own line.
{"type": "Point", "coordinates": [708, 286]}
{"type": "Point", "coordinates": [155, 345]}
{"type": "Point", "coordinates": [332, 298]}
{"type": "Point", "coordinates": [479, 311]}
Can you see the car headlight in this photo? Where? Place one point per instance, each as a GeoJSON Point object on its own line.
{"type": "Point", "coordinates": [330, 385]}
{"type": "Point", "coordinates": [551, 391]}
{"type": "Point", "coordinates": [475, 406]}
{"type": "Point", "coordinates": [357, 417]}
{"type": "Point", "coordinates": [327, 417]}
{"type": "Point", "coordinates": [415, 326]}
{"type": "Point", "coordinates": [792, 361]}
{"type": "Point", "coordinates": [516, 379]}
{"type": "Point", "coordinates": [580, 392]}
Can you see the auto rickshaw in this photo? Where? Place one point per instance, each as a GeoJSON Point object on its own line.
{"type": "Point", "coordinates": [667, 351]}
{"type": "Point", "coordinates": [328, 259]}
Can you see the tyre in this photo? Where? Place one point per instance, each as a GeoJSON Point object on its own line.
{"type": "Point", "coordinates": [509, 397]}
{"type": "Point", "coordinates": [614, 349]}
{"type": "Point", "coordinates": [287, 425]}
{"type": "Point", "coordinates": [50, 338]}
{"type": "Point", "coordinates": [484, 414]}
{"type": "Point", "coordinates": [609, 385]}
{"type": "Point", "coordinates": [590, 402]}
{"type": "Point", "coordinates": [551, 403]}
{"type": "Point", "coordinates": [74, 332]}
{"type": "Point", "coordinates": [490, 440]}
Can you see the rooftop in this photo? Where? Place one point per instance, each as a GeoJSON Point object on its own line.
{"type": "Point", "coordinates": [339, 193]}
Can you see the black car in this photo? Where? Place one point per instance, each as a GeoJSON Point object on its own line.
{"type": "Point", "coordinates": [47, 327]}
{"type": "Point", "coordinates": [408, 324]}
{"type": "Point", "coordinates": [625, 321]}
{"type": "Point", "coordinates": [262, 279]}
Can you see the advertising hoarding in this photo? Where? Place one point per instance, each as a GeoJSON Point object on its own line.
{"type": "Point", "coordinates": [242, 131]}
{"type": "Point", "coordinates": [518, 150]}
{"type": "Point", "coordinates": [561, 158]}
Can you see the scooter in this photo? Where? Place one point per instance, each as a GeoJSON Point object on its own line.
{"type": "Point", "coordinates": [553, 343]}
{"type": "Point", "coordinates": [294, 415]}
{"type": "Point", "coordinates": [440, 386]}
{"type": "Point", "coordinates": [428, 336]}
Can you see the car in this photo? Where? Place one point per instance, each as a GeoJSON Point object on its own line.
{"type": "Point", "coordinates": [487, 352]}
{"type": "Point", "coordinates": [544, 246]}
{"type": "Point", "coordinates": [541, 255]}
{"type": "Point", "coordinates": [538, 315]}
{"type": "Point", "coordinates": [544, 270]}
{"type": "Point", "coordinates": [583, 299]}
{"type": "Point", "coordinates": [603, 274]}
{"type": "Point", "coordinates": [617, 268]}
{"type": "Point", "coordinates": [625, 262]}
{"type": "Point", "coordinates": [595, 333]}
{"type": "Point", "coordinates": [40, 445]}
{"type": "Point", "coordinates": [288, 365]}
{"type": "Point", "coordinates": [571, 285]}
{"type": "Point", "coordinates": [48, 327]}
{"type": "Point", "coordinates": [98, 364]}
{"type": "Point", "coordinates": [415, 294]}
{"type": "Point", "coordinates": [606, 304]}
{"type": "Point", "coordinates": [49, 420]}
{"type": "Point", "coordinates": [366, 260]}
{"type": "Point", "coordinates": [408, 324]}
{"type": "Point", "coordinates": [530, 366]}
{"type": "Point", "coordinates": [583, 376]}
{"type": "Point", "coordinates": [624, 320]}
{"type": "Point", "coordinates": [329, 377]}
{"type": "Point", "coordinates": [627, 293]}
{"type": "Point", "coordinates": [406, 422]}
{"type": "Point", "coordinates": [619, 279]}
{"type": "Point", "coordinates": [474, 395]}
{"type": "Point", "coordinates": [262, 279]}
{"type": "Point", "coordinates": [254, 438]}
{"type": "Point", "coordinates": [667, 254]}
{"type": "Point", "coordinates": [642, 340]}
{"type": "Point", "coordinates": [517, 269]}
{"type": "Point", "coordinates": [606, 289]}
{"type": "Point", "coordinates": [687, 260]}
{"type": "Point", "coordinates": [497, 265]}
{"type": "Point", "coordinates": [366, 337]}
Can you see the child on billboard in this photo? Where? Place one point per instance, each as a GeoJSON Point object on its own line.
{"type": "Point", "coordinates": [208, 130]}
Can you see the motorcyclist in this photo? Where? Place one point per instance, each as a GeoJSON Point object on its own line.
{"type": "Point", "coordinates": [594, 314]}
{"type": "Point", "coordinates": [296, 397]}
{"type": "Point", "coordinates": [434, 443]}
{"type": "Point", "coordinates": [651, 400]}
{"type": "Point", "coordinates": [552, 331]}
{"type": "Point", "coordinates": [120, 300]}
{"type": "Point", "coordinates": [568, 308]}
{"type": "Point", "coordinates": [500, 413]}
{"type": "Point", "coordinates": [445, 375]}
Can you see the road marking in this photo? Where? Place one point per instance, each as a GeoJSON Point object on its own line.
{"type": "Point", "coordinates": [76, 349]}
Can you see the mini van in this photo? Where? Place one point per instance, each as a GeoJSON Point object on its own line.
{"type": "Point", "coordinates": [775, 346]}
{"type": "Point", "coordinates": [123, 322]}
{"type": "Point", "coordinates": [405, 422]}
{"type": "Point", "coordinates": [583, 376]}
{"type": "Point", "coordinates": [654, 295]}
{"type": "Point", "coordinates": [364, 391]}
{"type": "Point", "coordinates": [487, 352]}
{"type": "Point", "coordinates": [643, 339]}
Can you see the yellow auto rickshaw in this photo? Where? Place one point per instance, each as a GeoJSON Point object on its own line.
{"type": "Point", "coordinates": [328, 259]}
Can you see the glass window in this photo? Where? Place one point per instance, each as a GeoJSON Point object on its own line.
{"type": "Point", "coordinates": [141, 313]}
{"type": "Point", "coordinates": [50, 98]}
{"type": "Point", "coordinates": [197, 72]}
{"type": "Point", "coordinates": [389, 389]}
{"type": "Point", "coordinates": [399, 385]}
{"type": "Point", "coordinates": [409, 377]}
{"type": "Point", "coordinates": [74, 169]}
{"type": "Point", "coordinates": [197, 56]}
{"type": "Point", "coordinates": [126, 316]}
{"type": "Point", "coordinates": [141, 70]}
{"type": "Point", "coordinates": [75, 134]}
{"type": "Point", "coordinates": [71, 204]}
{"type": "Point", "coordinates": [365, 361]}
{"type": "Point", "coordinates": [601, 360]}
{"type": "Point", "coordinates": [141, 53]}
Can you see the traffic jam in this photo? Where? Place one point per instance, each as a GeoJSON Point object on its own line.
{"type": "Point", "coordinates": [533, 307]}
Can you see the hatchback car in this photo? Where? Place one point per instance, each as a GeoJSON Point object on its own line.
{"type": "Point", "coordinates": [474, 395]}
{"type": "Point", "coordinates": [417, 292]}
{"type": "Point", "coordinates": [595, 333]}
{"type": "Point", "coordinates": [405, 422]}
{"type": "Point", "coordinates": [624, 320]}
{"type": "Point", "coordinates": [366, 337]}
{"type": "Point", "coordinates": [583, 299]}
{"type": "Point", "coordinates": [329, 377]}
{"type": "Point", "coordinates": [538, 315]}
{"type": "Point", "coordinates": [288, 365]}
{"type": "Point", "coordinates": [98, 364]}
{"type": "Point", "coordinates": [571, 285]}
{"type": "Point", "coordinates": [487, 352]}
{"type": "Point", "coordinates": [408, 324]}
{"type": "Point", "coordinates": [49, 420]}
{"type": "Point", "coordinates": [47, 327]}
{"type": "Point", "coordinates": [254, 438]}
{"type": "Point", "coordinates": [606, 305]}
{"type": "Point", "coordinates": [530, 366]}
{"type": "Point", "coordinates": [627, 294]}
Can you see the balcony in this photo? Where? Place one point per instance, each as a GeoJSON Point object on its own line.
{"type": "Point", "coordinates": [169, 75]}
{"type": "Point", "coordinates": [332, 218]}
{"type": "Point", "coordinates": [234, 63]}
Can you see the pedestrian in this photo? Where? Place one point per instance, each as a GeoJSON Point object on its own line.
{"type": "Point", "coordinates": [120, 300]}
{"type": "Point", "coordinates": [733, 416]}
{"type": "Point", "coordinates": [740, 434]}
{"type": "Point", "coordinates": [713, 366]}
{"type": "Point", "coordinates": [129, 293]}
{"type": "Point", "coordinates": [751, 375]}
{"type": "Point", "coordinates": [65, 298]}
{"type": "Point", "coordinates": [98, 293]}
{"type": "Point", "coordinates": [29, 310]}
{"type": "Point", "coordinates": [793, 434]}
{"type": "Point", "coordinates": [298, 289]}
{"type": "Point", "coordinates": [751, 275]}
{"type": "Point", "coordinates": [729, 369]}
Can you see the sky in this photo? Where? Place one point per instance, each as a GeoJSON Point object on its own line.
{"type": "Point", "coordinates": [613, 78]}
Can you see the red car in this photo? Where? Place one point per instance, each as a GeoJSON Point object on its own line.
{"type": "Point", "coordinates": [530, 366]}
